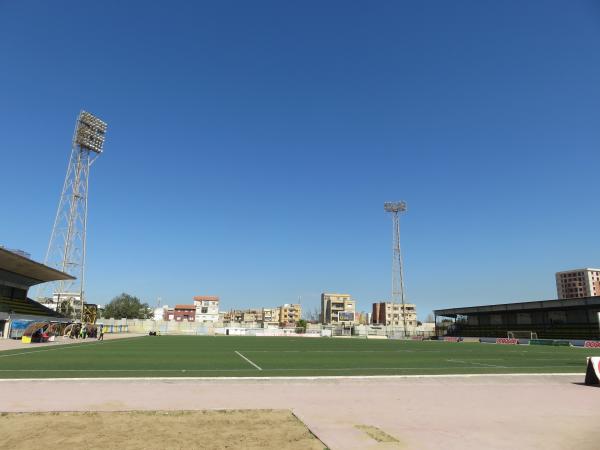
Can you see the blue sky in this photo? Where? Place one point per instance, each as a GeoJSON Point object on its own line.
{"type": "Point", "coordinates": [251, 145]}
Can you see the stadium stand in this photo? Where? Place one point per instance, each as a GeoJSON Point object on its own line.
{"type": "Point", "coordinates": [576, 318]}
{"type": "Point", "coordinates": [17, 275]}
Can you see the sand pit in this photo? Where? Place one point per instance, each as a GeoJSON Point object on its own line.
{"type": "Point", "coordinates": [249, 429]}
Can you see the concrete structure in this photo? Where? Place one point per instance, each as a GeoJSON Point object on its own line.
{"type": "Point", "coordinates": [184, 313]}
{"type": "Point", "coordinates": [71, 298]}
{"type": "Point", "coordinates": [159, 313]}
{"type": "Point", "coordinates": [289, 314]}
{"type": "Point", "coordinates": [271, 316]}
{"type": "Point", "coordinates": [168, 313]}
{"type": "Point", "coordinates": [251, 316]}
{"type": "Point", "coordinates": [284, 315]}
{"type": "Point", "coordinates": [207, 308]}
{"type": "Point", "coordinates": [337, 309]}
{"type": "Point", "coordinates": [17, 275]}
{"type": "Point", "coordinates": [578, 283]}
{"type": "Point", "coordinates": [18, 251]}
{"type": "Point", "coordinates": [391, 314]}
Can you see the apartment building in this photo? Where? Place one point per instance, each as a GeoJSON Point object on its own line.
{"type": "Point", "coordinates": [184, 313]}
{"type": "Point", "coordinates": [246, 316]}
{"type": "Point", "coordinates": [207, 308]}
{"type": "Point", "coordinates": [252, 316]}
{"type": "Point", "coordinates": [289, 314]}
{"type": "Point", "coordinates": [392, 314]}
{"type": "Point", "coordinates": [270, 316]}
{"type": "Point", "coordinates": [578, 283]}
{"type": "Point", "coordinates": [337, 309]}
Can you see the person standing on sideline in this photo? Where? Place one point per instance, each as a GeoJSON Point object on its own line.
{"type": "Point", "coordinates": [101, 334]}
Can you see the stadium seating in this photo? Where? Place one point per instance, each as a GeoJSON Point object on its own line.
{"type": "Point", "coordinates": [548, 331]}
{"type": "Point", "coordinates": [25, 307]}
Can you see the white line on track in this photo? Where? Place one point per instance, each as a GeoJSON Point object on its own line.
{"type": "Point", "coordinates": [255, 365]}
{"type": "Point", "coordinates": [324, 378]}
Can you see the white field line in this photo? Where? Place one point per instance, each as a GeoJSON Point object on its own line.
{"type": "Point", "coordinates": [476, 363]}
{"type": "Point", "coordinates": [255, 365]}
{"type": "Point", "coordinates": [342, 351]}
{"type": "Point", "coordinates": [316, 377]}
{"type": "Point", "coordinates": [289, 369]}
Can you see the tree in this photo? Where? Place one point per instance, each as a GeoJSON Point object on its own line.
{"type": "Point", "coordinates": [301, 326]}
{"type": "Point", "coordinates": [126, 306]}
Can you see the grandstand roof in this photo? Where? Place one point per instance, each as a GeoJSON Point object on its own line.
{"type": "Point", "coordinates": [520, 307]}
{"type": "Point", "coordinates": [33, 271]}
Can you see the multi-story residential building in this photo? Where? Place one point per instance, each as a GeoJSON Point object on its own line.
{"type": "Point", "coordinates": [337, 309]}
{"type": "Point", "coordinates": [246, 316]}
{"type": "Point", "coordinates": [233, 316]}
{"type": "Point", "coordinates": [290, 314]}
{"type": "Point", "coordinates": [251, 316]}
{"type": "Point", "coordinates": [578, 283]}
{"type": "Point", "coordinates": [168, 313]}
{"type": "Point", "coordinates": [270, 316]}
{"type": "Point", "coordinates": [184, 313]}
{"type": "Point", "coordinates": [391, 314]}
{"type": "Point", "coordinates": [207, 308]}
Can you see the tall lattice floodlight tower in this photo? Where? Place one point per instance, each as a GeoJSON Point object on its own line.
{"type": "Point", "coordinates": [397, 268]}
{"type": "Point", "coordinates": [66, 250]}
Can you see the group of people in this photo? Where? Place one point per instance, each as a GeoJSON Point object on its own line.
{"type": "Point", "coordinates": [83, 332]}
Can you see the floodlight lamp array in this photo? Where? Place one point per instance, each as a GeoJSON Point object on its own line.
{"type": "Point", "coordinates": [394, 206]}
{"type": "Point", "coordinates": [90, 132]}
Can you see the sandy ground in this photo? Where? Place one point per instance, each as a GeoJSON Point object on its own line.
{"type": "Point", "coordinates": [16, 344]}
{"type": "Point", "coordinates": [157, 430]}
{"type": "Point", "coordinates": [491, 412]}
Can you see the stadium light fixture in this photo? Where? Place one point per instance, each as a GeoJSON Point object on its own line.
{"type": "Point", "coordinates": [394, 206]}
{"type": "Point", "coordinates": [90, 132]}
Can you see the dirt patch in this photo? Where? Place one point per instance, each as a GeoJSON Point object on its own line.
{"type": "Point", "coordinates": [248, 429]}
{"type": "Point", "coordinates": [377, 434]}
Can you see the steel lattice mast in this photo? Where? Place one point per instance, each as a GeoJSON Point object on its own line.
{"type": "Point", "coordinates": [397, 267]}
{"type": "Point", "coordinates": [66, 250]}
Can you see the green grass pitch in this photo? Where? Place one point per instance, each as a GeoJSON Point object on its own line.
{"type": "Point", "coordinates": [198, 356]}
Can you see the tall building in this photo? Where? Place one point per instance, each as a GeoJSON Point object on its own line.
{"type": "Point", "coordinates": [289, 314]}
{"type": "Point", "coordinates": [337, 308]}
{"type": "Point", "coordinates": [578, 283]}
{"type": "Point", "coordinates": [391, 314]}
{"type": "Point", "coordinates": [207, 308]}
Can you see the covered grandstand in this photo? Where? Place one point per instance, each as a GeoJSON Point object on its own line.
{"type": "Point", "coordinates": [576, 318]}
{"type": "Point", "coordinates": [17, 275]}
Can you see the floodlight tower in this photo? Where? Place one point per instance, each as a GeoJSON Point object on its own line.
{"type": "Point", "coordinates": [397, 270]}
{"type": "Point", "coordinates": [66, 250]}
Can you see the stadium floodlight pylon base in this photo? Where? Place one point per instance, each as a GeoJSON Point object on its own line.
{"type": "Point", "coordinates": [592, 374]}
